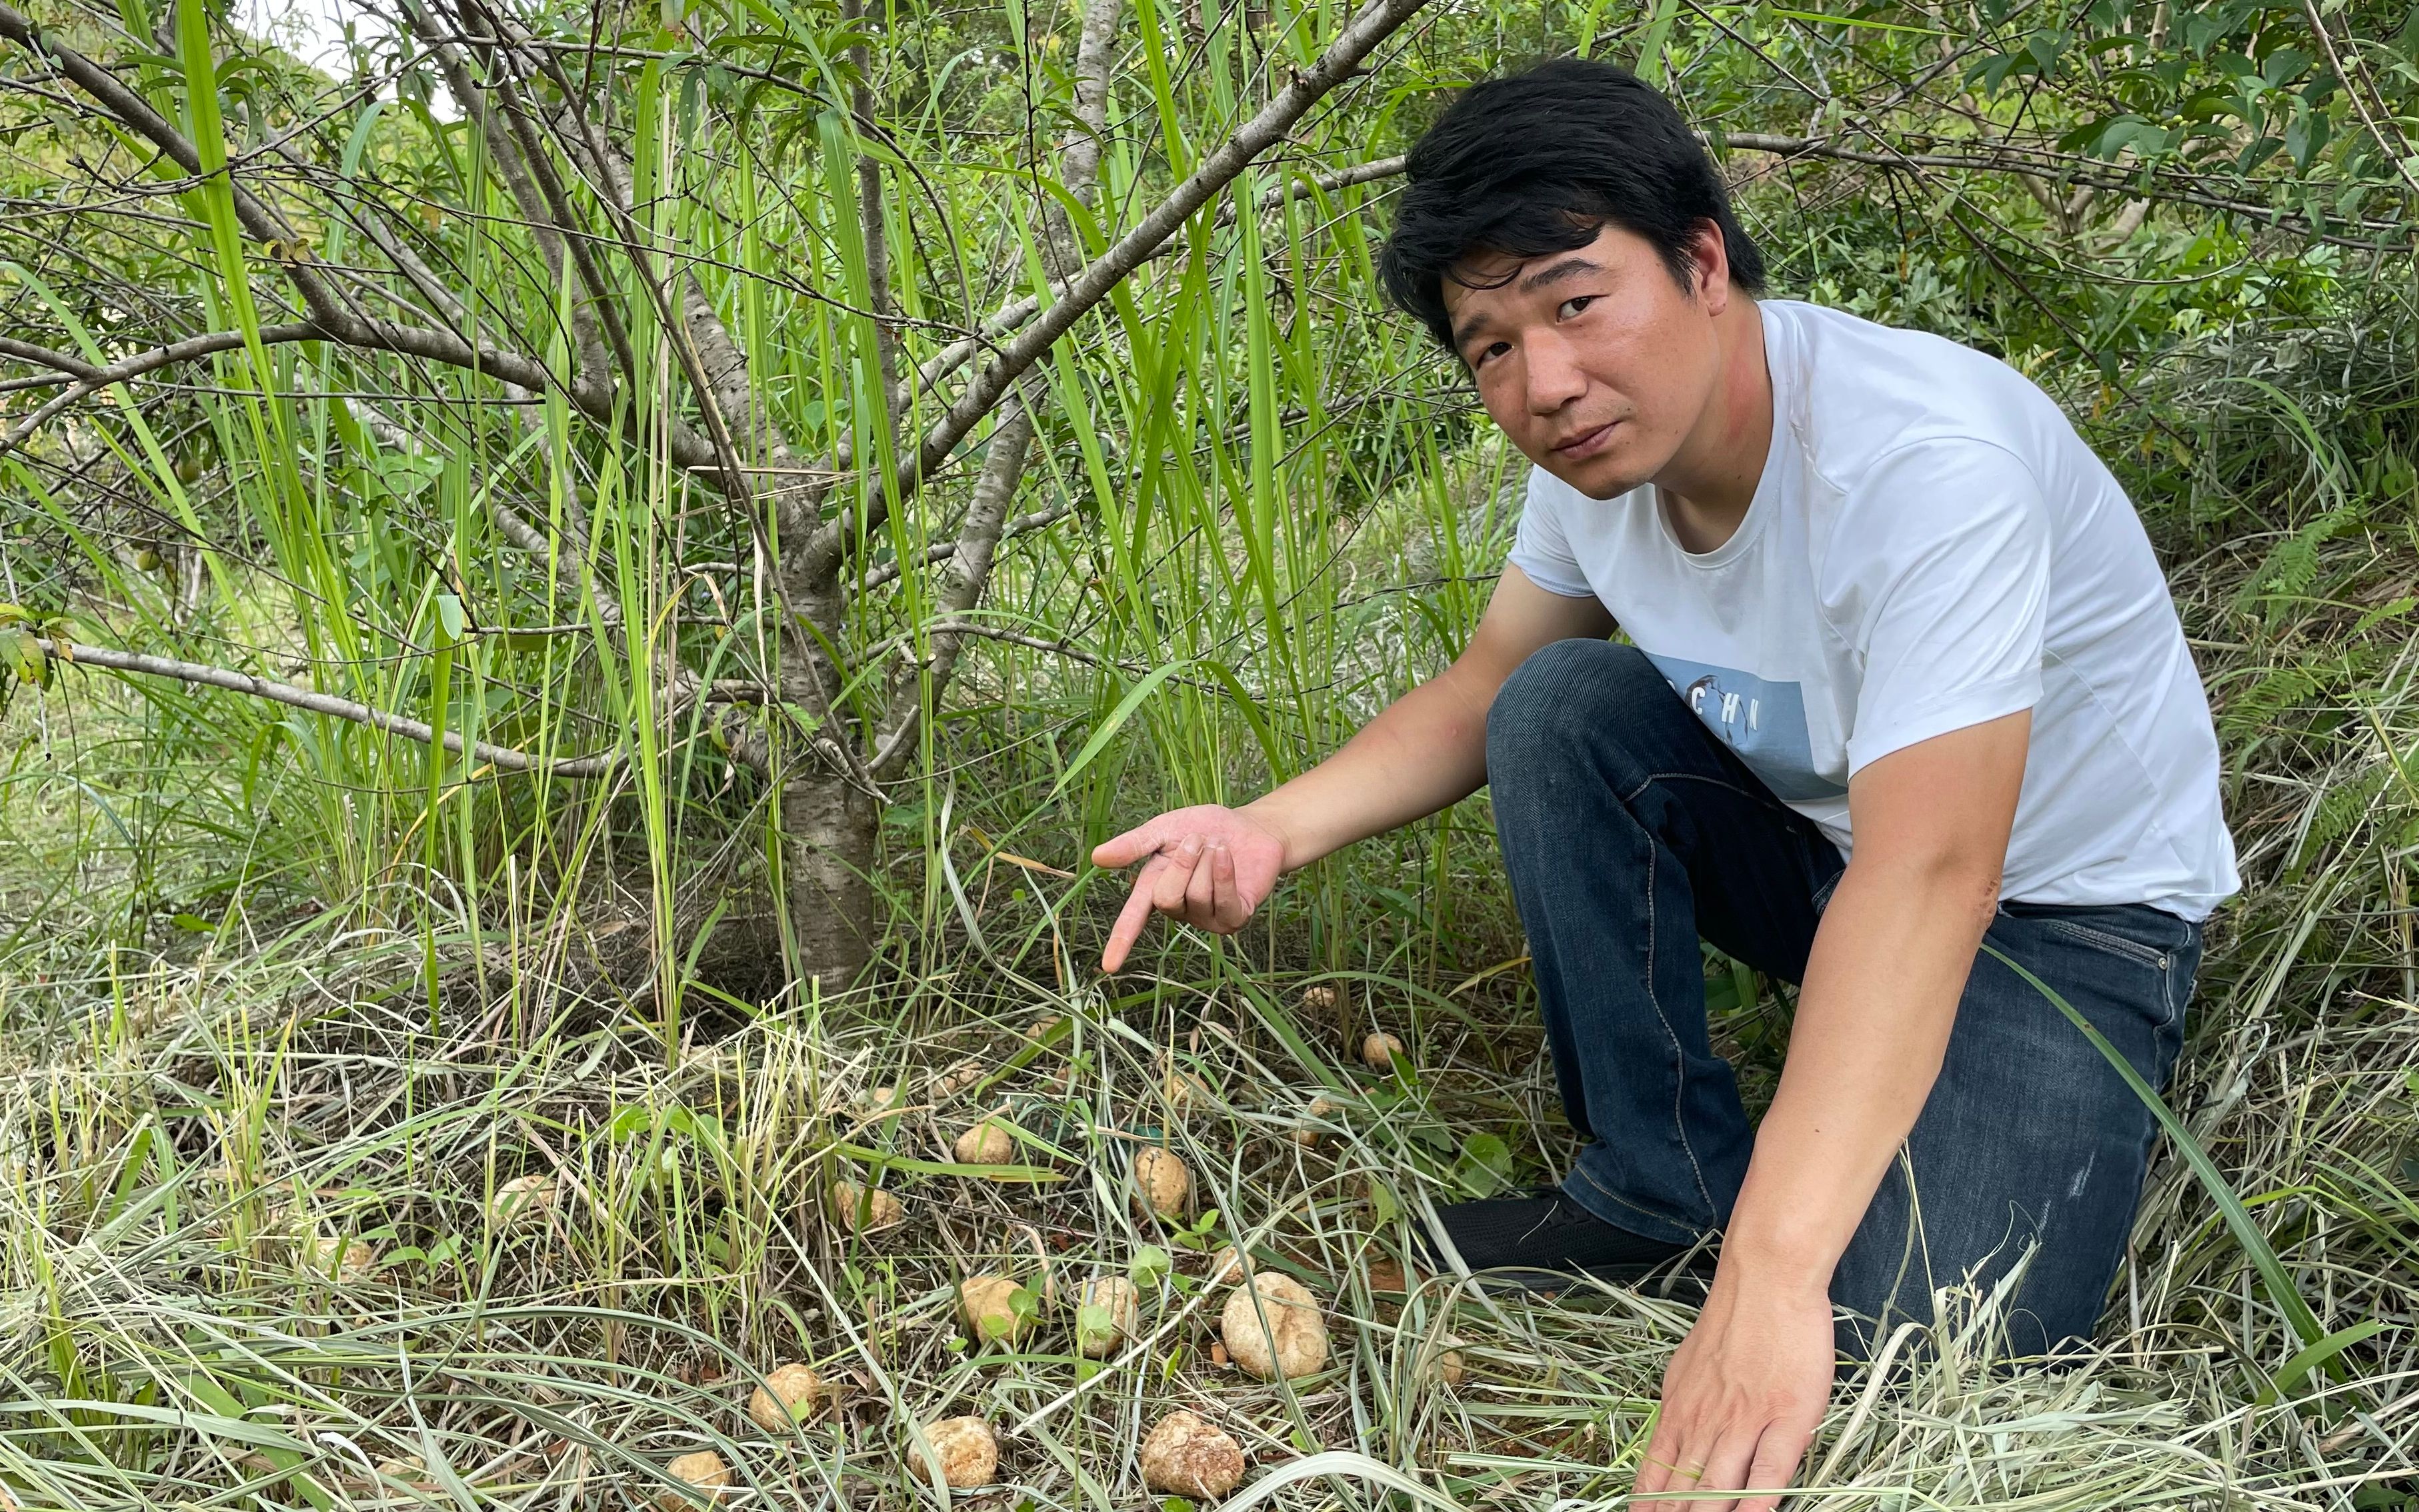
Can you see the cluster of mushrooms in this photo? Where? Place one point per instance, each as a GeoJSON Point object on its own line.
{"type": "Point", "coordinates": [1270, 1327]}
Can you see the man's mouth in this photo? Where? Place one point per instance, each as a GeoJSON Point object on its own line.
{"type": "Point", "coordinates": [1587, 442]}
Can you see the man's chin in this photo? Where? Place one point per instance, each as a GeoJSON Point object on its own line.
{"type": "Point", "coordinates": [1599, 478]}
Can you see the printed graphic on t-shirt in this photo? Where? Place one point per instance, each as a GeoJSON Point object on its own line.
{"type": "Point", "coordinates": [1764, 721]}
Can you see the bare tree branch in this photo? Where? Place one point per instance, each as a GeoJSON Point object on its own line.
{"type": "Point", "coordinates": [1375, 21]}
{"type": "Point", "coordinates": [602, 763]}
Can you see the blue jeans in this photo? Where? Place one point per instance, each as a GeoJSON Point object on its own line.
{"type": "Point", "coordinates": [1629, 830]}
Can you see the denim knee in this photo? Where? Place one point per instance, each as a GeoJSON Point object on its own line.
{"type": "Point", "coordinates": [1570, 699]}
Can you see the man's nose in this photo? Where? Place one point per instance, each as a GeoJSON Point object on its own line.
{"type": "Point", "coordinates": [1554, 375]}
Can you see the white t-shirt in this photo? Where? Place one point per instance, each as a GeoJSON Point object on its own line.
{"type": "Point", "coordinates": [1931, 546]}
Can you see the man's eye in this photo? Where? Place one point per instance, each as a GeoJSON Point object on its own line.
{"type": "Point", "coordinates": [1492, 350]}
{"type": "Point", "coordinates": [1574, 305]}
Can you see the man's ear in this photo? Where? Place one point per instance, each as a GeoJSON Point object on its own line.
{"type": "Point", "coordinates": [1711, 256]}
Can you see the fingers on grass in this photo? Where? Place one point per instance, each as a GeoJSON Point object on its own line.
{"type": "Point", "coordinates": [1778, 1455]}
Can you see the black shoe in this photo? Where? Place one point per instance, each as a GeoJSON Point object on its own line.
{"type": "Point", "coordinates": [1548, 1235]}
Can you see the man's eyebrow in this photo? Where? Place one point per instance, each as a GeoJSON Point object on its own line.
{"type": "Point", "coordinates": [1556, 272]}
{"type": "Point", "coordinates": [1471, 327]}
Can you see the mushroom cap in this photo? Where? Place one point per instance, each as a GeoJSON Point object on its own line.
{"type": "Point", "coordinates": [1293, 1341]}
{"type": "Point", "coordinates": [789, 1394]}
{"type": "Point", "coordinates": [863, 1209]}
{"type": "Point", "coordinates": [1185, 1457]}
{"type": "Point", "coordinates": [968, 1455]}
{"type": "Point", "coordinates": [1162, 1180]}
{"type": "Point", "coordinates": [1227, 1267]}
{"type": "Point", "coordinates": [1106, 1313]}
{"type": "Point", "coordinates": [351, 1260]}
{"type": "Point", "coordinates": [1319, 996]}
{"type": "Point", "coordinates": [988, 1303]}
{"type": "Point", "coordinates": [523, 1196]}
{"type": "Point", "coordinates": [702, 1469]}
{"type": "Point", "coordinates": [1378, 1051]}
{"type": "Point", "coordinates": [987, 1143]}
{"type": "Point", "coordinates": [1183, 1090]}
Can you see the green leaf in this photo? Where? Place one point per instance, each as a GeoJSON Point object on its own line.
{"type": "Point", "coordinates": [1149, 1265]}
{"type": "Point", "coordinates": [450, 616]}
{"type": "Point", "coordinates": [2315, 1354]}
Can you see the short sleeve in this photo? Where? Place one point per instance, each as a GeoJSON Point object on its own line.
{"type": "Point", "coordinates": [1938, 572]}
{"type": "Point", "coordinates": [1540, 548]}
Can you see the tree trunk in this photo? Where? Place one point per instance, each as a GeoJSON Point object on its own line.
{"type": "Point", "coordinates": [828, 833]}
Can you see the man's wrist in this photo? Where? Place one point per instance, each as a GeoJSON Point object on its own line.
{"type": "Point", "coordinates": [1780, 1254]}
{"type": "Point", "coordinates": [1268, 813]}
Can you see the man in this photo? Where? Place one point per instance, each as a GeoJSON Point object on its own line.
{"type": "Point", "coordinates": [1907, 707]}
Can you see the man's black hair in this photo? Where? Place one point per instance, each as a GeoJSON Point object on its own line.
{"type": "Point", "coordinates": [1537, 162]}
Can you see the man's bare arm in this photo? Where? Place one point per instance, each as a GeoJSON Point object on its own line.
{"type": "Point", "coordinates": [1745, 1392]}
{"type": "Point", "coordinates": [1213, 866]}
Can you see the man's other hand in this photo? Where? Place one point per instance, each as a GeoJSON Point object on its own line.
{"type": "Point", "coordinates": [1209, 865]}
{"type": "Point", "coordinates": [1741, 1400]}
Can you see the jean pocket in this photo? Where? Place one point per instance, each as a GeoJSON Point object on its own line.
{"type": "Point", "coordinates": [2117, 945]}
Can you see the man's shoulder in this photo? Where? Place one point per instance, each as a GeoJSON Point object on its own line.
{"type": "Point", "coordinates": [1862, 393]}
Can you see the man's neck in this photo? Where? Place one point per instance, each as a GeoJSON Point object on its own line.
{"type": "Point", "coordinates": [1711, 480]}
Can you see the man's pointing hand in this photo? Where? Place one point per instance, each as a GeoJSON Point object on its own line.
{"type": "Point", "coordinates": [1208, 865]}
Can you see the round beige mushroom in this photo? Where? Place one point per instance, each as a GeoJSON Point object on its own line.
{"type": "Point", "coordinates": [1293, 1340]}
{"type": "Point", "coordinates": [348, 1259]}
{"type": "Point", "coordinates": [1307, 1133]}
{"type": "Point", "coordinates": [987, 1143]}
{"type": "Point", "coordinates": [520, 1198]}
{"type": "Point", "coordinates": [703, 1469]}
{"type": "Point", "coordinates": [863, 1209]}
{"type": "Point", "coordinates": [957, 1078]}
{"type": "Point", "coordinates": [1185, 1093]}
{"type": "Point", "coordinates": [1162, 1180]}
{"type": "Point", "coordinates": [1185, 1457]}
{"type": "Point", "coordinates": [1449, 1368]}
{"type": "Point", "coordinates": [1318, 998]}
{"type": "Point", "coordinates": [1378, 1052]}
{"type": "Point", "coordinates": [789, 1394]}
{"type": "Point", "coordinates": [989, 1304]}
{"type": "Point", "coordinates": [1107, 1311]}
{"type": "Point", "coordinates": [1227, 1268]}
{"type": "Point", "coordinates": [963, 1452]}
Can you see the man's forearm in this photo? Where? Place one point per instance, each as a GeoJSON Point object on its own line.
{"type": "Point", "coordinates": [1874, 1017]}
{"type": "Point", "coordinates": [1426, 752]}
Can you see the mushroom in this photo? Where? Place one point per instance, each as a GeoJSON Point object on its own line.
{"type": "Point", "coordinates": [864, 1209]}
{"type": "Point", "coordinates": [789, 1394]}
{"type": "Point", "coordinates": [1318, 998]}
{"type": "Point", "coordinates": [959, 1077]}
{"type": "Point", "coordinates": [1292, 1341]}
{"type": "Point", "coordinates": [1378, 1052]}
{"type": "Point", "coordinates": [1106, 1313]}
{"type": "Point", "coordinates": [348, 1259]}
{"type": "Point", "coordinates": [1227, 1268]}
{"type": "Point", "coordinates": [996, 1308]}
{"type": "Point", "coordinates": [523, 1196]}
{"type": "Point", "coordinates": [987, 1143]}
{"type": "Point", "coordinates": [1162, 1180]}
{"type": "Point", "coordinates": [1307, 1133]}
{"type": "Point", "coordinates": [962, 1453]}
{"type": "Point", "coordinates": [1184, 1091]}
{"type": "Point", "coordinates": [703, 1469]}
{"type": "Point", "coordinates": [1185, 1457]}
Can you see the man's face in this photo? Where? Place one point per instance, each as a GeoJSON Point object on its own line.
{"type": "Point", "coordinates": [1595, 362]}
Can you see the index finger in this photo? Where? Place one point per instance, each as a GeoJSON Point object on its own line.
{"type": "Point", "coordinates": [1130, 920]}
{"type": "Point", "coordinates": [1130, 847]}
